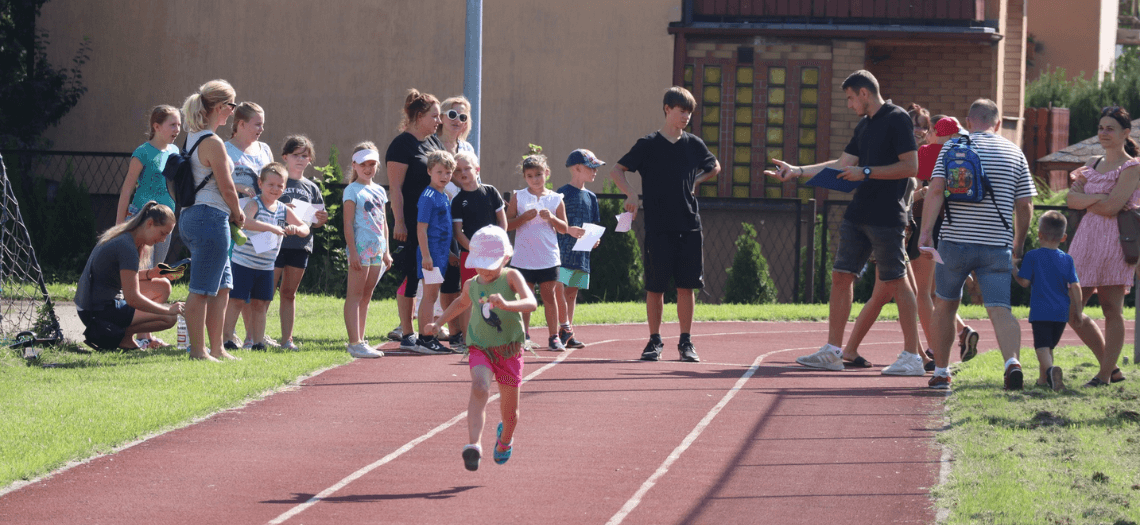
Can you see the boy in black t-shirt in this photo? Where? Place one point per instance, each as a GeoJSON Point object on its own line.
{"type": "Point", "coordinates": [475, 206]}
{"type": "Point", "coordinates": [672, 163]}
{"type": "Point", "coordinates": [883, 156]}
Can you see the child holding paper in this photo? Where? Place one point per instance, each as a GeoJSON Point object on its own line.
{"type": "Point", "coordinates": [253, 261]}
{"type": "Point", "coordinates": [433, 229]}
{"type": "Point", "coordinates": [581, 208]}
{"type": "Point", "coordinates": [294, 255]}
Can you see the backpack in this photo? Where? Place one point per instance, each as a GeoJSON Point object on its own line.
{"type": "Point", "coordinates": [966, 180]}
{"type": "Point", "coordinates": [180, 176]}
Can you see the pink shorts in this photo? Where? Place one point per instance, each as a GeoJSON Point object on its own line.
{"type": "Point", "coordinates": [507, 370]}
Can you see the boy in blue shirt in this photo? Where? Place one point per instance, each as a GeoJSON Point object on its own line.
{"type": "Point", "coordinates": [434, 232]}
{"type": "Point", "coordinates": [581, 207]}
{"type": "Point", "coordinates": [1055, 294]}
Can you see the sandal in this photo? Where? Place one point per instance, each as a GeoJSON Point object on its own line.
{"type": "Point", "coordinates": [1117, 376]}
{"type": "Point", "coordinates": [156, 343]}
{"type": "Point", "coordinates": [502, 456]}
{"type": "Point", "coordinates": [858, 362]}
{"type": "Point", "coordinates": [1095, 382]}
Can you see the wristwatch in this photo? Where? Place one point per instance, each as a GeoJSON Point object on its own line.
{"type": "Point", "coordinates": [866, 172]}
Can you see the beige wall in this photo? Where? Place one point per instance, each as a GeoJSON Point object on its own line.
{"type": "Point", "coordinates": [1079, 36]}
{"type": "Point", "coordinates": [564, 75]}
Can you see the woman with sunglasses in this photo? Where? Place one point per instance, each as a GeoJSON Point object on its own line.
{"type": "Point", "coordinates": [1103, 187]}
{"type": "Point", "coordinates": [456, 125]}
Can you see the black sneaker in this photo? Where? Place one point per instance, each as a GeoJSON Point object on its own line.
{"type": "Point", "coordinates": [456, 339]}
{"type": "Point", "coordinates": [652, 351]}
{"type": "Point", "coordinates": [431, 346]}
{"type": "Point", "coordinates": [1013, 377]}
{"type": "Point", "coordinates": [258, 346]}
{"type": "Point", "coordinates": [229, 345]}
{"type": "Point", "coordinates": [688, 352]}
{"type": "Point", "coordinates": [567, 337]}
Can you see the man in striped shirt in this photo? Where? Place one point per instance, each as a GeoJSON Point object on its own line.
{"type": "Point", "coordinates": [977, 237]}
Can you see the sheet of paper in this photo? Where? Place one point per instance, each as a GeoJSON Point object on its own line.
{"type": "Point", "coordinates": [432, 276]}
{"type": "Point", "coordinates": [264, 241]}
{"type": "Point", "coordinates": [304, 211]}
{"type": "Point", "coordinates": [625, 222]}
{"type": "Point", "coordinates": [937, 258]}
{"type": "Point", "coordinates": [593, 235]}
{"type": "Point", "coordinates": [383, 270]}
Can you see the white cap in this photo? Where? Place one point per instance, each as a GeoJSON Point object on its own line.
{"type": "Point", "coordinates": [366, 155]}
{"type": "Point", "coordinates": [489, 246]}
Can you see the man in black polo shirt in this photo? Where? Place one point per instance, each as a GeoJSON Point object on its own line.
{"type": "Point", "coordinates": [882, 155]}
{"type": "Point", "coordinates": [672, 163]}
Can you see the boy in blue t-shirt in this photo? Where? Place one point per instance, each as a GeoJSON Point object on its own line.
{"type": "Point", "coordinates": [1055, 294]}
{"type": "Point", "coordinates": [433, 230]}
{"type": "Point", "coordinates": [581, 207]}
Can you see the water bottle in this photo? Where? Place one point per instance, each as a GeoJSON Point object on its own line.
{"type": "Point", "coordinates": [183, 336]}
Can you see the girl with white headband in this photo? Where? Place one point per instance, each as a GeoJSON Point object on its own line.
{"type": "Point", "coordinates": [366, 234]}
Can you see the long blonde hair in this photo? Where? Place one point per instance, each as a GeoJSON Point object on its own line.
{"type": "Point", "coordinates": [363, 145]}
{"type": "Point", "coordinates": [198, 106]}
{"type": "Point", "coordinates": [159, 214]}
{"type": "Point", "coordinates": [450, 103]}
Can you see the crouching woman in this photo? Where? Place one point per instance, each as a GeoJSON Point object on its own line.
{"type": "Point", "coordinates": [114, 267]}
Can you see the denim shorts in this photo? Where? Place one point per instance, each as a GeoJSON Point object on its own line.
{"type": "Point", "coordinates": [858, 241]}
{"type": "Point", "coordinates": [251, 284]}
{"type": "Point", "coordinates": [993, 265]}
{"type": "Point", "coordinates": [206, 232]}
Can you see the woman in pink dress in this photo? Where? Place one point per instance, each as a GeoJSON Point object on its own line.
{"type": "Point", "coordinates": [1103, 188]}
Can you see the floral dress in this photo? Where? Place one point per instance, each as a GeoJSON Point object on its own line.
{"type": "Point", "coordinates": [1095, 247]}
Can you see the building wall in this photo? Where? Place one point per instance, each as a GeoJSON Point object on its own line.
{"type": "Point", "coordinates": [562, 75]}
{"type": "Point", "coordinates": [944, 79]}
{"type": "Point", "coordinates": [1077, 36]}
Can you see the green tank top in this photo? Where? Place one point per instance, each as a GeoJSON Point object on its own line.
{"type": "Point", "coordinates": [498, 332]}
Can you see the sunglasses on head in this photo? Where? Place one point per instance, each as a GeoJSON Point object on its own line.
{"type": "Point", "coordinates": [455, 115]}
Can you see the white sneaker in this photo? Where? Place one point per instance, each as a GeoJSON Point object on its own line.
{"type": "Point", "coordinates": [360, 350]}
{"type": "Point", "coordinates": [828, 357]}
{"type": "Point", "coordinates": [907, 364]}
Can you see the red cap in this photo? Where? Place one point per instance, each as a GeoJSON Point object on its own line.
{"type": "Point", "coordinates": [949, 126]}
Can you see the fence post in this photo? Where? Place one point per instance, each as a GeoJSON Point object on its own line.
{"type": "Point", "coordinates": [799, 243]}
{"type": "Point", "coordinates": [809, 286]}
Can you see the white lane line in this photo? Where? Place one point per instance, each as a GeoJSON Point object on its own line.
{"type": "Point", "coordinates": [635, 500]}
{"type": "Point", "coordinates": [400, 451]}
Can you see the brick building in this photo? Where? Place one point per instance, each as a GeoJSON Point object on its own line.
{"type": "Point", "coordinates": [767, 75]}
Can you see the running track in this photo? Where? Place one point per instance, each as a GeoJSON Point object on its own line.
{"type": "Point", "coordinates": [746, 436]}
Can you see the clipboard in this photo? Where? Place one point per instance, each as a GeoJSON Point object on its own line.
{"type": "Point", "coordinates": [829, 178]}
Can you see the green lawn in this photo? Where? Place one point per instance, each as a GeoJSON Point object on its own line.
{"type": "Point", "coordinates": [1036, 456]}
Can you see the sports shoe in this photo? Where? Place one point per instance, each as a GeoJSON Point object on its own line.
{"type": "Point", "coordinates": [567, 337]}
{"type": "Point", "coordinates": [408, 342]}
{"type": "Point", "coordinates": [361, 351]}
{"type": "Point", "coordinates": [258, 346]}
{"type": "Point", "coordinates": [556, 344]}
{"type": "Point", "coordinates": [1056, 378]}
{"type": "Point", "coordinates": [290, 345]}
{"type": "Point", "coordinates": [967, 344]}
{"type": "Point", "coordinates": [928, 366]}
{"type": "Point", "coordinates": [271, 342]}
{"type": "Point", "coordinates": [1013, 377]}
{"type": "Point", "coordinates": [396, 334]}
{"type": "Point", "coordinates": [502, 457]}
{"type": "Point", "coordinates": [430, 346]}
{"type": "Point", "coordinates": [456, 339]}
{"type": "Point", "coordinates": [828, 357]}
{"type": "Point", "coordinates": [688, 352]}
{"type": "Point", "coordinates": [939, 382]}
{"type": "Point", "coordinates": [907, 364]}
{"type": "Point", "coordinates": [652, 350]}
{"type": "Point", "coordinates": [471, 456]}
{"type": "Point", "coordinates": [229, 345]}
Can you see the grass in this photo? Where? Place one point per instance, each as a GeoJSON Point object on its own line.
{"type": "Point", "coordinates": [1036, 456]}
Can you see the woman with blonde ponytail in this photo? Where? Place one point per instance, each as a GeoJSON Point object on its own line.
{"type": "Point", "coordinates": [119, 264]}
{"type": "Point", "coordinates": [205, 225]}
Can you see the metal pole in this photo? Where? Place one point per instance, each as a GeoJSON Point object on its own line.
{"type": "Point", "coordinates": [473, 67]}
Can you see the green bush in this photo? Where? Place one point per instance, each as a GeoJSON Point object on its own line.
{"type": "Point", "coordinates": [824, 262]}
{"type": "Point", "coordinates": [749, 281]}
{"type": "Point", "coordinates": [616, 268]}
{"type": "Point", "coordinates": [61, 225]}
{"type": "Point", "coordinates": [1085, 97]}
{"type": "Point", "coordinates": [328, 265]}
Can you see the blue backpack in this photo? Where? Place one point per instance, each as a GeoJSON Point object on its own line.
{"type": "Point", "coordinates": [966, 180]}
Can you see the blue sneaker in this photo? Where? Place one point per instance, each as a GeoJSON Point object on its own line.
{"type": "Point", "coordinates": [502, 457]}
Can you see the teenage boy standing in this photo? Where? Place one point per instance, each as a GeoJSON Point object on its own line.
{"type": "Point", "coordinates": [672, 163]}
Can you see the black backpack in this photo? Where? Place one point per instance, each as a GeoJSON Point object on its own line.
{"type": "Point", "coordinates": [180, 176]}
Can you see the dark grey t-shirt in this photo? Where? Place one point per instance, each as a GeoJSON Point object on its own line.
{"type": "Point", "coordinates": [100, 280]}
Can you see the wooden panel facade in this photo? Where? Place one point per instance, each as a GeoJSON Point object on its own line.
{"type": "Point", "coordinates": [928, 10]}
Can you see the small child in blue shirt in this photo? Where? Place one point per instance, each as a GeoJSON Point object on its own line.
{"type": "Point", "coordinates": [434, 232]}
{"type": "Point", "coordinates": [1055, 294]}
{"type": "Point", "coordinates": [581, 207]}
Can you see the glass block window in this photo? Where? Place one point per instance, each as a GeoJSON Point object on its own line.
{"type": "Point", "coordinates": [711, 118]}
{"type": "Point", "coordinates": [687, 83]}
{"type": "Point", "coordinates": [774, 127]}
{"type": "Point", "coordinates": [809, 117]}
{"type": "Point", "coordinates": [742, 134]}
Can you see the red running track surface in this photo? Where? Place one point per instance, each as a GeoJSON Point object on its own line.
{"type": "Point", "coordinates": [745, 436]}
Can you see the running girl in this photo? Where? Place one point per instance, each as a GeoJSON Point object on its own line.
{"type": "Point", "coordinates": [496, 299]}
{"type": "Point", "coordinates": [366, 235]}
{"type": "Point", "coordinates": [537, 213]}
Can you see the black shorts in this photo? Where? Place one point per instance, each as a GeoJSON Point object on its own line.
{"type": "Point", "coordinates": [293, 258]}
{"type": "Point", "coordinates": [1046, 334]}
{"type": "Point", "coordinates": [912, 232]}
{"type": "Point", "coordinates": [679, 255]}
{"type": "Point", "coordinates": [451, 282]}
{"type": "Point", "coordinates": [543, 275]}
{"type": "Point", "coordinates": [106, 327]}
{"type": "Point", "coordinates": [404, 261]}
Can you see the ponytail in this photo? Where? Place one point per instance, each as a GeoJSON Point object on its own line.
{"type": "Point", "coordinates": [1131, 148]}
{"type": "Point", "coordinates": [416, 104]}
{"type": "Point", "coordinates": [200, 104]}
{"type": "Point", "coordinates": [158, 115]}
{"type": "Point", "coordinates": [244, 113]}
{"type": "Point", "coordinates": [159, 214]}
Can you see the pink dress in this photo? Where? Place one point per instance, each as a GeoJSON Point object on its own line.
{"type": "Point", "coordinates": [1096, 244]}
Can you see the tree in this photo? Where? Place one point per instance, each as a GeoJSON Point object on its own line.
{"type": "Point", "coordinates": [34, 94]}
{"type": "Point", "coordinates": [749, 281]}
{"type": "Point", "coordinates": [616, 268]}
